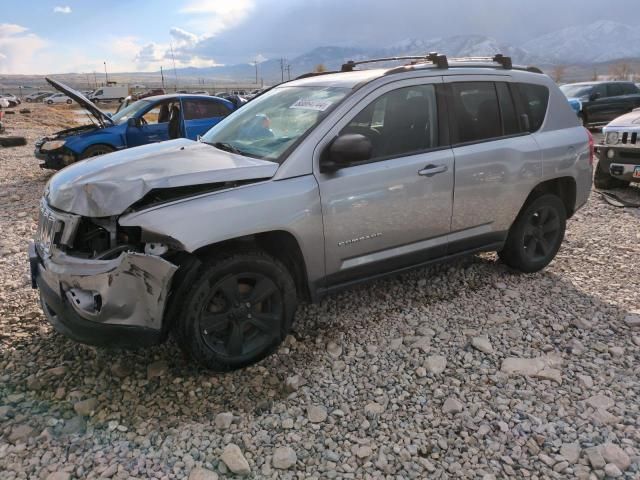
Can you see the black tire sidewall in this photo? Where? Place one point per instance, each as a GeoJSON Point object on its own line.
{"type": "Point", "coordinates": [89, 151]}
{"type": "Point", "coordinates": [186, 326]}
{"type": "Point", "coordinates": [514, 254]}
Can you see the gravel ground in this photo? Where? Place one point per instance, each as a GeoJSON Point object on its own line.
{"type": "Point", "coordinates": [464, 370]}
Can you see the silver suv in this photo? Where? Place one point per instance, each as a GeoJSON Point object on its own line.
{"type": "Point", "coordinates": [314, 185]}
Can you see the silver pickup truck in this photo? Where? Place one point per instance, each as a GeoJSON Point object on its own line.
{"type": "Point", "coordinates": [314, 185]}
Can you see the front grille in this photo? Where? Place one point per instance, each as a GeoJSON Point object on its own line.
{"type": "Point", "coordinates": [50, 228]}
{"type": "Point", "coordinates": [629, 138]}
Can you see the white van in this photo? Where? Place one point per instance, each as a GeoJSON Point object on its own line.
{"type": "Point", "coordinates": [112, 92]}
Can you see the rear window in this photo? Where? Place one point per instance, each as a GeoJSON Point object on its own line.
{"type": "Point", "coordinates": [535, 100]}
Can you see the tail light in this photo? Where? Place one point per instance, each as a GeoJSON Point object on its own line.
{"type": "Point", "coordinates": [592, 148]}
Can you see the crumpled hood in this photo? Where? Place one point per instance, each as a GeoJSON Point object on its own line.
{"type": "Point", "coordinates": [107, 185]}
{"type": "Point", "coordinates": [631, 119]}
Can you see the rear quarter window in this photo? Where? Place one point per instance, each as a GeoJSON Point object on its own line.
{"type": "Point", "coordinates": [534, 101]}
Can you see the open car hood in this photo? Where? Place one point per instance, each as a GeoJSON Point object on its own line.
{"type": "Point", "coordinates": [109, 184]}
{"type": "Point", "coordinates": [102, 118]}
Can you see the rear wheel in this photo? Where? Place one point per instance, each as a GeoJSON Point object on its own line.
{"type": "Point", "coordinates": [603, 180]}
{"type": "Point", "coordinates": [238, 310]}
{"type": "Point", "coordinates": [536, 235]}
{"type": "Point", "coordinates": [96, 150]}
{"type": "Point", "coordinates": [49, 102]}
{"type": "Point", "coordinates": [68, 102]}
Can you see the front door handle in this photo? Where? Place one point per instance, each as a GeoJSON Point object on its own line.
{"type": "Point", "coordinates": [431, 170]}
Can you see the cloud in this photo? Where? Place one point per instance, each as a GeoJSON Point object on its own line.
{"type": "Point", "coordinates": [59, 9]}
{"type": "Point", "coordinates": [212, 17]}
{"type": "Point", "coordinates": [18, 46]}
{"type": "Point", "coordinates": [182, 37]}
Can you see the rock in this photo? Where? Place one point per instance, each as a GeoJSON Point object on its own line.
{"type": "Point", "coordinates": [56, 371]}
{"type": "Point", "coordinates": [20, 433]}
{"type": "Point", "coordinates": [636, 340]}
{"type": "Point", "coordinates": [85, 407]}
{"type": "Point", "coordinates": [75, 425]}
{"type": "Point", "coordinates": [452, 405]}
{"type": "Point", "coordinates": [612, 470]}
{"type": "Point", "coordinates": [234, 460]}
{"type": "Point", "coordinates": [549, 374]}
{"type": "Point", "coordinates": [157, 369]}
{"type": "Point", "coordinates": [595, 458]}
{"type": "Point", "coordinates": [612, 453]}
{"type": "Point", "coordinates": [482, 344]}
{"type": "Point", "coordinates": [435, 364]}
{"type": "Point", "coordinates": [364, 451]}
{"type": "Point", "coordinates": [601, 417]}
{"type": "Point", "coordinates": [421, 372]}
{"type": "Point", "coordinates": [585, 380]}
{"type": "Point", "coordinates": [575, 346]}
{"type": "Point", "coordinates": [632, 319]}
{"type": "Point", "coordinates": [287, 423]}
{"type": "Point", "coordinates": [373, 409]}
{"type": "Point", "coordinates": [570, 452]}
{"type": "Point", "coordinates": [223, 420]}
{"type": "Point", "coordinates": [284, 458]}
{"type": "Point", "coordinates": [121, 370]}
{"type": "Point", "coordinates": [317, 414]}
{"type": "Point", "coordinates": [110, 471]}
{"type": "Point", "coordinates": [616, 352]}
{"type": "Point", "coordinates": [334, 349]}
{"type": "Point", "coordinates": [202, 474]}
{"type": "Point", "coordinates": [600, 401]}
{"type": "Point", "coordinates": [540, 367]}
{"type": "Point", "coordinates": [293, 383]}
{"type": "Point", "coordinates": [59, 475]}
{"type": "Point", "coordinates": [560, 467]}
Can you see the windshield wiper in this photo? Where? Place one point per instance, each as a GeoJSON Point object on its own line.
{"type": "Point", "coordinates": [227, 147]}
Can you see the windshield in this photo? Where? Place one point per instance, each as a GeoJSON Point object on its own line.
{"type": "Point", "coordinates": [126, 113]}
{"type": "Point", "coordinates": [576, 91]}
{"type": "Point", "coordinates": [267, 126]}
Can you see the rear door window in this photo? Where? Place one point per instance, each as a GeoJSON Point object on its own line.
{"type": "Point", "coordinates": [534, 100]}
{"type": "Point", "coordinates": [614, 90]}
{"type": "Point", "coordinates": [510, 124]}
{"type": "Point", "coordinates": [195, 109]}
{"type": "Point", "coordinates": [476, 111]}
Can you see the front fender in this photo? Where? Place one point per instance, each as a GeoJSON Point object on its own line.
{"type": "Point", "coordinates": [291, 205]}
{"type": "Point", "coordinates": [112, 136]}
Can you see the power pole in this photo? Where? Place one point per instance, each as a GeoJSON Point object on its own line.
{"type": "Point", "coordinates": [255, 62]}
{"type": "Point", "coordinates": [162, 76]}
{"type": "Point", "coordinates": [288, 72]}
{"type": "Point", "coordinates": [282, 68]}
{"type": "Point", "coordinates": [95, 79]}
{"type": "Point", "coordinates": [175, 72]}
{"type": "Point", "coordinates": [106, 77]}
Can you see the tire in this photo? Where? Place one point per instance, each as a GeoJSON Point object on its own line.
{"type": "Point", "coordinates": [96, 150]}
{"type": "Point", "coordinates": [604, 181]}
{"type": "Point", "coordinates": [535, 237]}
{"type": "Point", "coordinates": [12, 141]}
{"type": "Point", "coordinates": [49, 102]}
{"type": "Point", "coordinates": [29, 100]}
{"type": "Point", "coordinates": [68, 102]}
{"type": "Point", "coordinates": [120, 100]}
{"type": "Point", "coordinates": [240, 330]}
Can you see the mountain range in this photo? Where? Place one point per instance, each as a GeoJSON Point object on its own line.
{"type": "Point", "coordinates": [599, 42]}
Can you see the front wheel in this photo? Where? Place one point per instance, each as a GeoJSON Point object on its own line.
{"type": "Point", "coordinates": [237, 311]}
{"type": "Point", "coordinates": [49, 102]}
{"type": "Point", "coordinates": [536, 235]}
{"type": "Point", "coordinates": [96, 150]}
{"type": "Point", "coordinates": [68, 102]}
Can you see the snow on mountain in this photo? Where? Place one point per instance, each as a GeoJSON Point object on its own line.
{"type": "Point", "coordinates": [600, 41]}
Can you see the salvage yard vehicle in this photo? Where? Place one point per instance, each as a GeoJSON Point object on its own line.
{"type": "Point", "coordinates": [151, 120]}
{"type": "Point", "coordinates": [619, 155]}
{"type": "Point", "coordinates": [58, 98]}
{"type": "Point", "coordinates": [37, 96]}
{"type": "Point", "coordinates": [109, 93]}
{"type": "Point", "coordinates": [319, 183]}
{"type": "Point", "coordinates": [597, 103]}
{"type": "Point", "coordinates": [12, 99]}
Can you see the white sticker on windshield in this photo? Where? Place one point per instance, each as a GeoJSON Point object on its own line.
{"type": "Point", "coordinates": [317, 105]}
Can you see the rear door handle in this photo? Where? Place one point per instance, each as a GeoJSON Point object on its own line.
{"type": "Point", "coordinates": [431, 170]}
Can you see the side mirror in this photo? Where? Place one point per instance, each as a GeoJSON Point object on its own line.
{"type": "Point", "coordinates": [594, 96]}
{"type": "Point", "coordinates": [346, 150]}
{"type": "Point", "coordinates": [133, 122]}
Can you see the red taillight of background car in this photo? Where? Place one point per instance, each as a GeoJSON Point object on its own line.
{"type": "Point", "coordinates": [592, 148]}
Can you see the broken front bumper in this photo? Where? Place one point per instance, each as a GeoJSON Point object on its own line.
{"type": "Point", "coordinates": [117, 302]}
{"type": "Point", "coordinates": [621, 163]}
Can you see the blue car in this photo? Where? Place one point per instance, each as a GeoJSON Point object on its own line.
{"type": "Point", "coordinates": [150, 120]}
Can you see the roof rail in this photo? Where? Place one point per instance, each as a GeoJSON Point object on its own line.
{"type": "Point", "coordinates": [498, 58]}
{"type": "Point", "coordinates": [439, 60]}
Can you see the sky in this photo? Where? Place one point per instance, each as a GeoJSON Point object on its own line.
{"type": "Point", "coordinates": [42, 36]}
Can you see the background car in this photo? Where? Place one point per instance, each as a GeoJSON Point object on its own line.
{"type": "Point", "coordinates": [150, 120]}
{"type": "Point", "coordinates": [37, 96]}
{"type": "Point", "coordinates": [597, 103]}
{"type": "Point", "coordinates": [200, 92]}
{"type": "Point", "coordinates": [57, 98]}
{"type": "Point", "coordinates": [12, 99]}
{"type": "Point", "coordinates": [150, 93]}
{"type": "Point", "coordinates": [619, 155]}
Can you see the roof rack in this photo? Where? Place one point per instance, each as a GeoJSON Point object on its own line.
{"type": "Point", "coordinates": [439, 60]}
{"type": "Point", "coordinates": [499, 58]}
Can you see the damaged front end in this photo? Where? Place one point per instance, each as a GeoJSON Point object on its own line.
{"type": "Point", "coordinates": [98, 283]}
{"type": "Point", "coordinates": [52, 150]}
